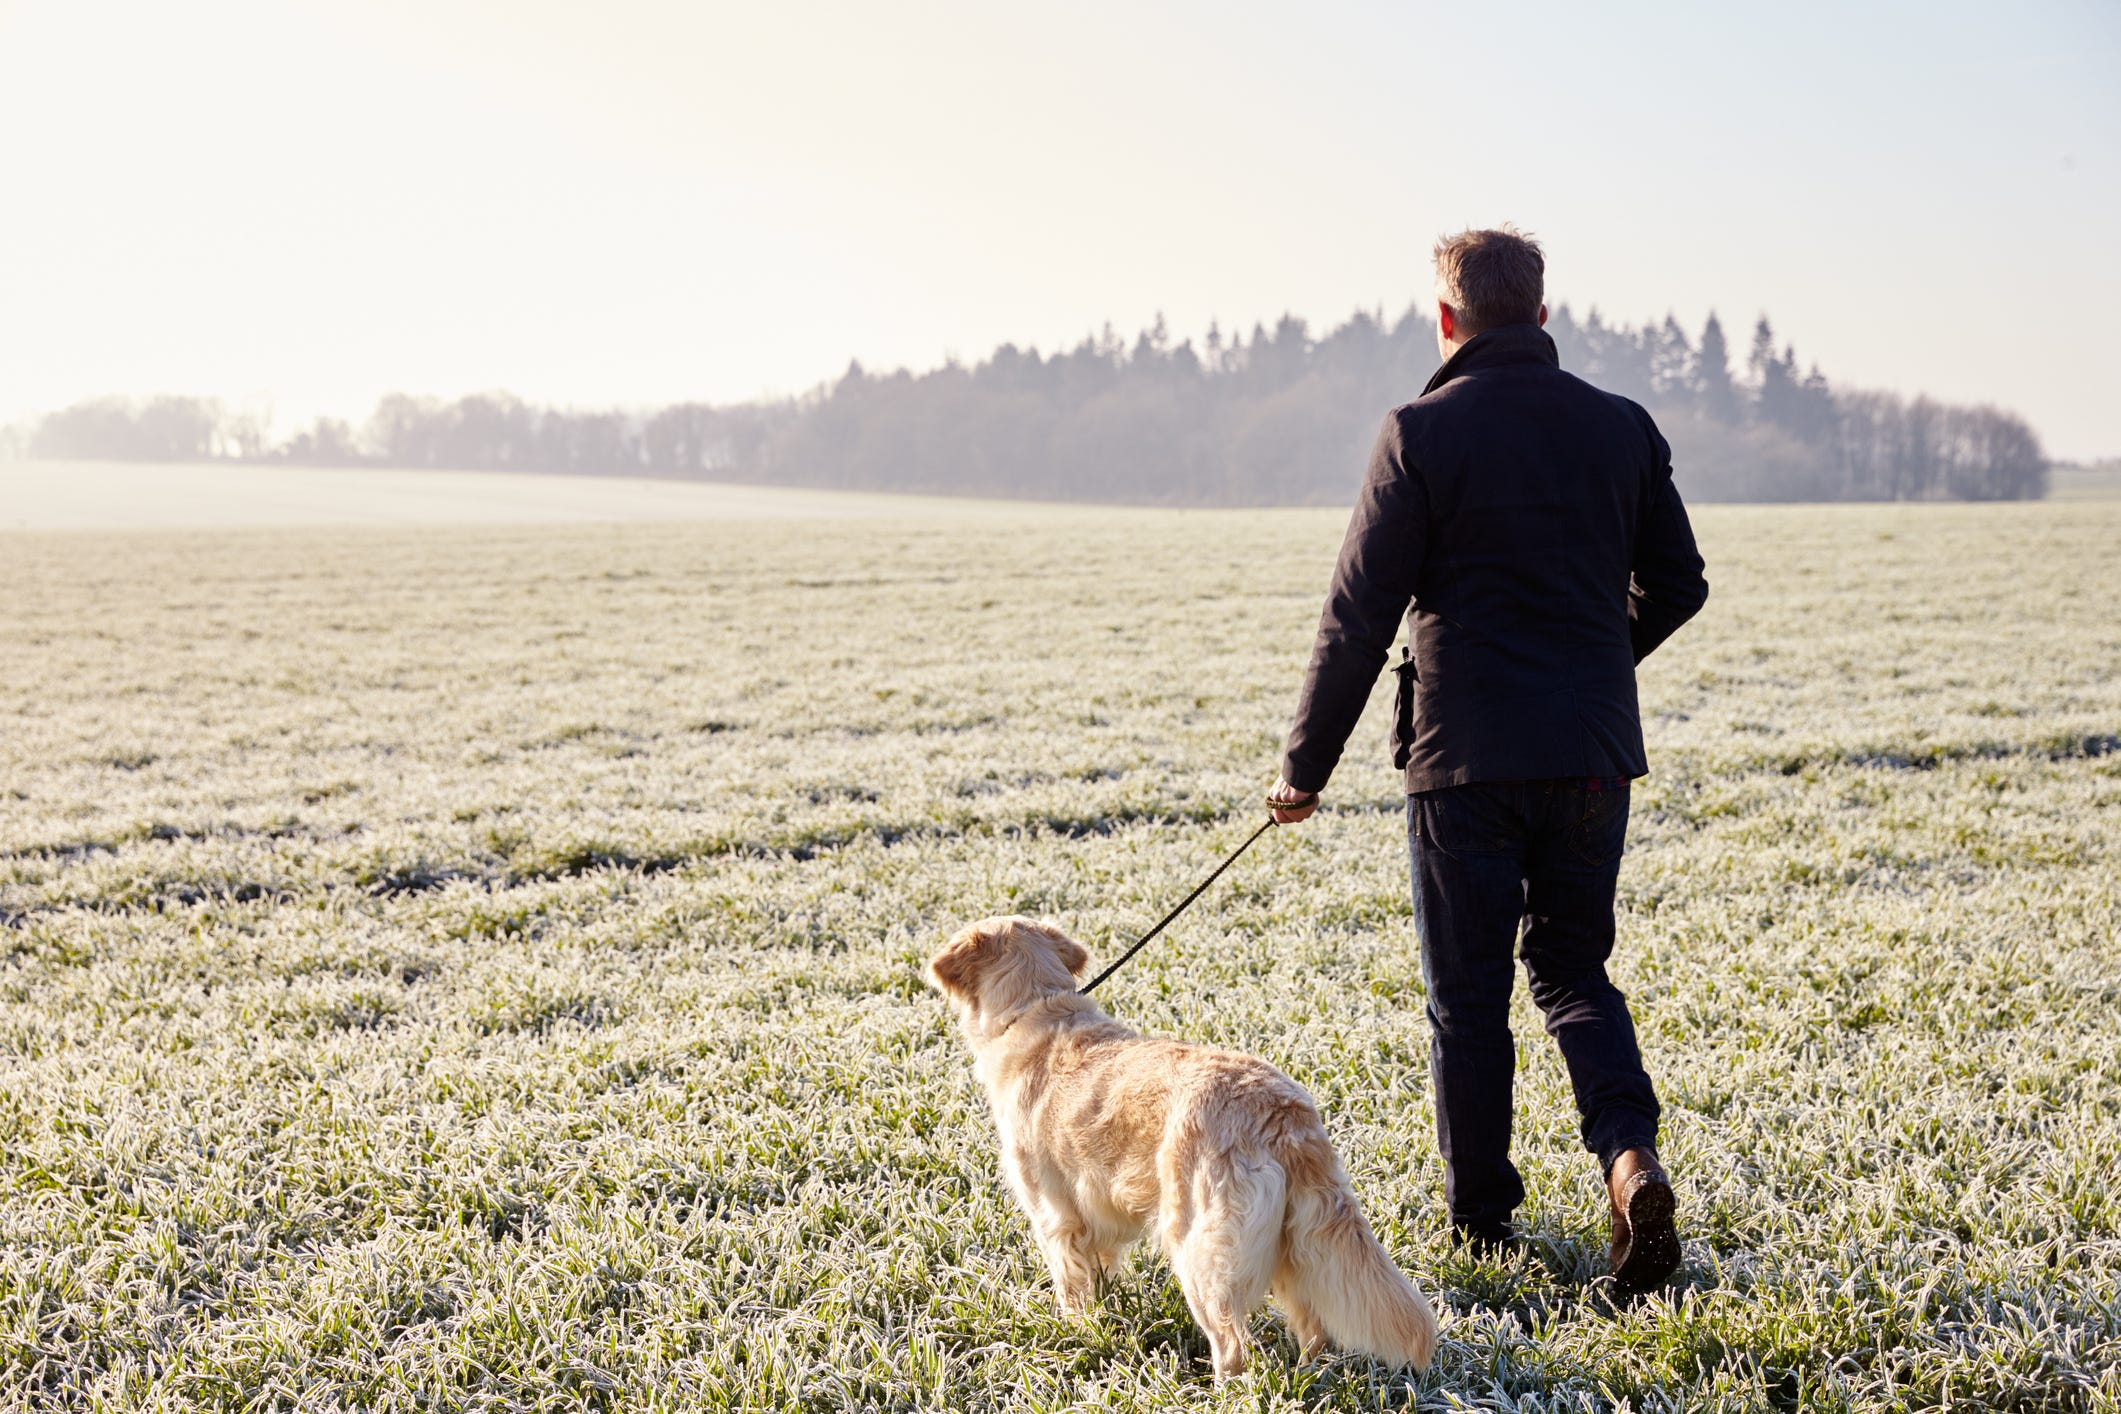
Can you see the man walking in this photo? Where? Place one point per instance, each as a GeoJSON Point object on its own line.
{"type": "Point", "coordinates": [1530, 521]}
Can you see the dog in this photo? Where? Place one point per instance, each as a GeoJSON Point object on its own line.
{"type": "Point", "coordinates": [1104, 1131]}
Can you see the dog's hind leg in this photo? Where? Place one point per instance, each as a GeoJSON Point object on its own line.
{"type": "Point", "coordinates": [1223, 1245]}
{"type": "Point", "coordinates": [1071, 1260]}
{"type": "Point", "coordinates": [1107, 1255]}
{"type": "Point", "coordinates": [1310, 1332]}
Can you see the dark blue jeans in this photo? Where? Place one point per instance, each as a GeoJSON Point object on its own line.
{"type": "Point", "coordinates": [1488, 859]}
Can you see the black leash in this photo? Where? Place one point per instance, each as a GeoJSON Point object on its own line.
{"type": "Point", "coordinates": [1091, 986]}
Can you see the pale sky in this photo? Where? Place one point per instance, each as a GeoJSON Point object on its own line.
{"type": "Point", "coordinates": [307, 204]}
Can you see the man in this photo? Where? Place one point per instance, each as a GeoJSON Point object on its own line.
{"type": "Point", "coordinates": [1531, 522]}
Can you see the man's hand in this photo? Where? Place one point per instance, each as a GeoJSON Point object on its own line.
{"type": "Point", "coordinates": [1290, 805]}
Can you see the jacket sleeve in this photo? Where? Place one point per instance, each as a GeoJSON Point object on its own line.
{"type": "Point", "coordinates": [1666, 587]}
{"type": "Point", "coordinates": [1372, 585]}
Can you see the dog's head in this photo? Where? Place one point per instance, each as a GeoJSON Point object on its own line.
{"type": "Point", "coordinates": [997, 966]}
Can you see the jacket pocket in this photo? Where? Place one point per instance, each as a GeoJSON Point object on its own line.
{"type": "Point", "coordinates": [1403, 709]}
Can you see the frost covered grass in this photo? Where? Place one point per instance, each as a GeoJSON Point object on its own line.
{"type": "Point", "coordinates": [477, 968]}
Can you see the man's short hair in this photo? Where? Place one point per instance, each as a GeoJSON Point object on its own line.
{"type": "Point", "coordinates": [1491, 278]}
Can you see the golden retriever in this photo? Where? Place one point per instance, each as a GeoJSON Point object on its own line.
{"type": "Point", "coordinates": [1104, 1130]}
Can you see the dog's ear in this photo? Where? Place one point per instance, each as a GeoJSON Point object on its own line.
{"type": "Point", "coordinates": [950, 971]}
{"type": "Point", "coordinates": [1073, 955]}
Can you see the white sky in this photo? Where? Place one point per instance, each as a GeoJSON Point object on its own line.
{"type": "Point", "coordinates": [627, 202]}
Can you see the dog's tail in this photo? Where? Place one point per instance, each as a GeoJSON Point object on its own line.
{"type": "Point", "coordinates": [1335, 1266]}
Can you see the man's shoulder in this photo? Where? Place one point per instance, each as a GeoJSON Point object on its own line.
{"type": "Point", "coordinates": [1625, 404]}
{"type": "Point", "coordinates": [1638, 416]}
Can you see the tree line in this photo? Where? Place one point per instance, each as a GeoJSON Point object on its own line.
{"type": "Point", "coordinates": [1266, 416]}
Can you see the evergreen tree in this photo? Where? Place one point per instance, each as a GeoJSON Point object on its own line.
{"type": "Point", "coordinates": [1763, 351]}
{"type": "Point", "coordinates": [1714, 391]}
{"type": "Point", "coordinates": [1671, 362]}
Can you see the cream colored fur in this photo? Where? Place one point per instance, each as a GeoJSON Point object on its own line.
{"type": "Point", "coordinates": [1105, 1131]}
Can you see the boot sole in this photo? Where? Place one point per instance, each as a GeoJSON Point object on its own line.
{"type": "Point", "coordinates": [1653, 1240]}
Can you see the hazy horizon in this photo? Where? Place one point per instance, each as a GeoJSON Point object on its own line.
{"type": "Point", "coordinates": [661, 203]}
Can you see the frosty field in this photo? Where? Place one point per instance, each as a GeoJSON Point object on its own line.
{"type": "Point", "coordinates": [477, 967]}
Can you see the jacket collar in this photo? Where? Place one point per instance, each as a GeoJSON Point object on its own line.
{"type": "Point", "coordinates": [1497, 348]}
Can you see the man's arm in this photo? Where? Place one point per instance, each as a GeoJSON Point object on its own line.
{"type": "Point", "coordinates": [1667, 587]}
{"type": "Point", "coordinates": [1372, 586]}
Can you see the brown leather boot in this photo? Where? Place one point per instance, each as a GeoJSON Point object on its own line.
{"type": "Point", "coordinates": [1645, 1241]}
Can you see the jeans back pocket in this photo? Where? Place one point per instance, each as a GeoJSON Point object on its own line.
{"type": "Point", "coordinates": [1600, 833]}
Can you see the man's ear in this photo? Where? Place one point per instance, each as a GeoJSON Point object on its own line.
{"type": "Point", "coordinates": [950, 971]}
{"type": "Point", "coordinates": [1542, 316]}
{"type": "Point", "coordinates": [1446, 319]}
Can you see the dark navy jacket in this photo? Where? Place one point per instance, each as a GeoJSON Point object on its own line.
{"type": "Point", "coordinates": [1530, 521]}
